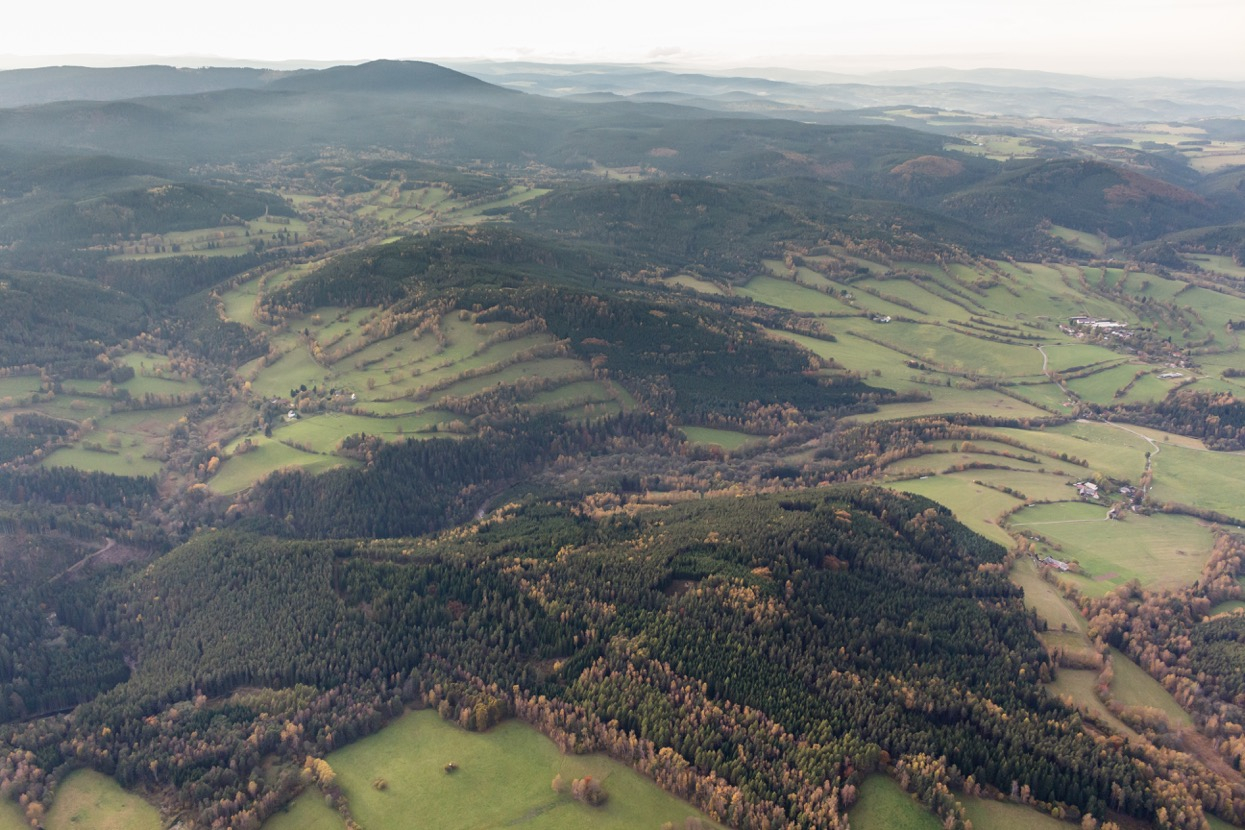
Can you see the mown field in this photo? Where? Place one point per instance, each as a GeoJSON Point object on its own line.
{"type": "Point", "coordinates": [503, 779]}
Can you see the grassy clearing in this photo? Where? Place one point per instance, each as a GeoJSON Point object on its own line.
{"type": "Point", "coordinates": [18, 389]}
{"type": "Point", "coordinates": [11, 817]}
{"type": "Point", "coordinates": [881, 805]}
{"type": "Point", "coordinates": [789, 295]}
{"type": "Point", "coordinates": [121, 463]}
{"type": "Point", "coordinates": [884, 367]}
{"type": "Point", "coordinates": [1108, 450]}
{"type": "Point", "coordinates": [942, 346]}
{"type": "Point", "coordinates": [230, 240]}
{"type": "Point", "coordinates": [976, 506]}
{"type": "Point", "coordinates": [328, 430]}
{"type": "Point", "coordinates": [121, 443]}
{"type": "Point", "coordinates": [87, 799]}
{"type": "Point", "coordinates": [503, 778]}
{"type": "Point", "coordinates": [1160, 551]}
{"type": "Point", "coordinates": [307, 812]}
{"type": "Point", "coordinates": [241, 471]}
{"type": "Point", "coordinates": [1218, 263]}
{"type": "Point", "coordinates": [997, 147]}
{"type": "Point", "coordinates": [696, 284]}
{"type": "Point", "coordinates": [1101, 387]}
{"type": "Point", "coordinates": [1045, 598]}
{"type": "Point", "coordinates": [1133, 687]}
{"type": "Point", "coordinates": [1199, 477]}
{"type": "Point", "coordinates": [989, 814]}
{"type": "Point", "coordinates": [726, 439]}
{"type": "Point", "coordinates": [1076, 686]}
{"type": "Point", "coordinates": [950, 400]}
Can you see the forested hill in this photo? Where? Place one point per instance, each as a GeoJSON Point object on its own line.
{"type": "Point", "coordinates": [812, 635]}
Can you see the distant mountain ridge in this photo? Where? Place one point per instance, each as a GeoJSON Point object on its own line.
{"type": "Point", "coordinates": [52, 84]}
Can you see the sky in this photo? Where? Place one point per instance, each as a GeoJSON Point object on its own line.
{"type": "Point", "coordinates": [1109, 38]}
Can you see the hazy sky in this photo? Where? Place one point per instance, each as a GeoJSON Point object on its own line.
{"type": "Point", "coordinates": [1187, 38]}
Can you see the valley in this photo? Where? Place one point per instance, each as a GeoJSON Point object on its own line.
{"type": "Point", "coordinates": [877, 469]}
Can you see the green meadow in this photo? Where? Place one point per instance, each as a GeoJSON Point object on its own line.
{"type": "Point", "coordinates": [503, 779]}
{"type": "Point", "coordinates": [11, 816]}
{"type": "Point", "coordinates": [697, 284]}
{"type": "Point", "coordinates": [882, 805]}
{"type": "Point", "coordinates": [992, 814]}
{"type": "Point", "coordinates": [1077, 686]}
{"type": "Point", "coordinates": [726, 439]}
{"type": "Point", "coordinates": [87, 799]}
{"type": "Point", "coordinates": [1131, 686]}
{"type": "Point", "coordinates": [1160, 551]}
{"type": "Point", "coordinates": [238, 472]}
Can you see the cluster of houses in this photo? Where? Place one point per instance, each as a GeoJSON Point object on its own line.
{"type": "Point", "coordinates": [1086, 489]}
{"type": "Point", "coordinates": [1078, 325]}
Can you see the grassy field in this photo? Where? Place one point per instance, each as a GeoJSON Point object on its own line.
{"type": "Point", "coordinates": [307, 812]}
{"type": "Point", "coordinates": [696, 284]}
{"type": "Point", "coordinates": [503, 779]}
{"type": "Point", "coordinates": [1199, 477]}
{"type": "Point", "coordinates": [125, 441]}
{"type": "Point", "coordinates": [1160, 551]}
{"type": "Point", "coordinates": [86, 799]}
{"type": "Point", "coordinates": [976, 506]}
{"type": "Point", "coordinates": [1088, 242]}
{"type": "Point", "coordinates": [229, 240]}
{"type": "Point", "coordinates": [122, 463]}
{"type": "Point", "coordinates": [1046, 599]}
{"type": "Point", "coordinates": [393, 385]}
{"type": "Point", "coordinates": [1133, 687]}
{"type": "Point", "coordinates": [728, 440]}
{"type": "Point", "coordinates": [997, 147]}
{"type": "Point", "coordinates": [241, 471]}
{"type": "Point", "coordinates": [1077, 686]}
{"type": "Point", "coordinates": [787, 294]}
{"type": "Point", "coordinates": [17, 390]}
{"type": "Point", "coordinates": [881, 805]}
{"type": "Point", "coordinates": [989, 814]}
{"type": "Point", "coordinates": [11, 817]}
{"type": "Point", "coordinates": [950, 399]}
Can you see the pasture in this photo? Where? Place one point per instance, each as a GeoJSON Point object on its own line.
{"type": "Point", "coordinates": [786, 294]}
{"type": "Point", "coordinates": [240, 471]}
{"type": "Point", "coordinates": [977, 506]}
{"type": "Point", "coordinates": [1160, 551]}
{"type": "Point", "coordinates": [503, 777]}
{"type": "Point", "coordinates": [1076, 687]}
{"type": "Point", "coordinates": [1133, 687]}
{"type": "Point", "coordinates": [1210, 480]}
{"type": "Point", "coordinates": [1045, 598]}
{"type": "Point", "coordinates": [695, 283]}
{"type": "Point", "coordinates": [11, 817]}
{"type": "Point", "coordinates": [269, 232]}
{"type": "Point", "coordinates": [307, 812]}
{"type": "Point", "coordinates": [992, 814]}
{"type": "Point", "coordinates": [725, 439]}
{"type": "Point", "coordinates": [949, 400]}
{"type": "Point", "coordinates": [882, 805]}
{"type": "Point", "coordinates": [1090, 243]}
{"type": "Point", "coordinates": [123, 443]}
{"type": "Point", "coordinates": [88, 799]}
